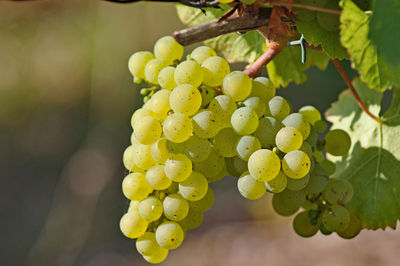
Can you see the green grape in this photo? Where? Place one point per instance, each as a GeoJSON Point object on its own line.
{"type": "Point", "coordinates": [336, 218]}
{"type": "Point", "coordinates": [205, 203]}
{"type": "Point", "coordinates": [129, 161]}
{"type": "Point", "coordinates": [306, 147]}
{"type": "Point", "coordinates": [201, 53]}
{"type": "Point", "coordinates": [247, 2]}
{"type": "Point", "coordinates": [223, 106]}
{"type": "Point", "coordinates": [147, 130]}
{"type": "Point", "coordinates": [197, 149]}
{"type": "Point", "coordinates": [147, 244]}
{"type": "Point", "coordinates": [225, 142]}
{"type": "Point", "coordinates": [297, 184]}
{"type": "Point", "coordinates": [353, 229]}
{"type": "Point", "coordinates": [207, 95]}
{"type": "Point", "coordinates": [264, 165]}
{"type": "Point", "coordinates": [177, 127]}
{"type": "Point", "coordinates": [150, 209]}
{"type": "Point", "coordinates": [189, 72]}
{"type": "Point", "coordinates": [318, 180]}
{"type": "Point", "coordinates": [168, 49]}
{"type": "Point", "coordinates": [288, 139]}
{"type": "Point", "coordinates": [237, 85]}
{"type": "Point", "coordinates": [278, 184]}
{"type": "Point", "coordinates": [140, 113]}
{"type": "Point", "coordinates": [178, 167]}
{"type": "Point", "coordinates": [337, 142]}
{"type": "Point", "coordinates": [264, 88]}
{"type": "Point", "coordinates": [329, 22]}
{"type": "Point", "coordinates": [169, 235]}
{"type": "Point", "coordinates": [320, 126]}
{"type": "Point", "coordinates": [323, 230]}
{"type": "Point", "coordinates": [303, 226]}
{"type": "Point", "coordinates": [159, 104]}
{"type": "Point", "coordinates": [319, 156]}
{"type": "Point", "coordinates": [310, 113]}
{"type": "Point", "coordinates": [193, 220]}
{"type": "Point", "coordinates": [338, 191]}
{"type": "Point", "coordinates": [194, 187]}
{"type": "Point", "coordinates": [175, 207]}
{"type": "Point", "coordinates": [157, 178]}
{"type": "Point", "coordinates": [159, 150]}
{"type": "Point", "coordinates": [257, 104]}
{"type": "Point", "coordinates": [210, 166]}
{"type": "Point", "coordinates": [308, 205]}
{"type": "Point", "coordinates": [132, 225]}
{"type": "Point", "coordinates": [185, 99]}
{"type": "Point", "coordinates": [298, 121]}
{"type": "Point", "coordinates": [173, 188]}
{"type": "Point", "coordinates": [157, 257]}
{"type": "Point", "coordinates": [246, 146]}
{"type": "Point", "coordinates": [166, 78]}
{"type": "Point", "coordinates": [205, 124]}
{"type": "Point", "coordinates": [137, 63]}
{"type": "Point", "coordinates": [135, 186]}
{"type": "Point", "coordinates": [240, 165]}
{"type": "Point", "coordinates": [288, 202]}
{"type": "Point", "coordinates": [267, 128]}
{"type": "Point", "coordinates": [221, 174]}
{"type": "Point", "coordinates": [133, 205]}
{"type": "Point", "coordinates": [152, 69]}
{"type": "Point", "coordinates": [244, 121]}
{"type": "Point", "coordinates": [329, 166]}
{"type": "Point", "coordinates": [230, 166]}
{"type": "Point", "coordinates": [174, 147]}
{"type": "Point", "coordinates": [142, 156]}
{"type": "Point", "coordinates": [251, 188]}
{"type": "Point", "coordinates": [313, 137]}
{"type": "Point", "coordinates": [215, 69]}
{"type": "Point", "coordinates": [278, 108]}
{"type": "Point", "coordinates": [296, 164]}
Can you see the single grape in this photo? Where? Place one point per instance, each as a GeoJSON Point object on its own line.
{"type": "Point", "coordinates": [193, 220]}
{"type": "Point", "coordinates": [246, 146]}
{"type": "Point", "coordinates": [353, 229]}
{"type": "Point", "coordinates": [338, 191]}
{"type": "Point", "coordinates": [264, 165]}
{"type": "Point", "coordinates": [189, 72]}
{"type": "Point", "coordinates": [157, 178]}
{"type": "Point", "coordinates": [319, 156]}
{"type": "Point", "coordinates": [250, 188]}
{"type": "Point", "coordinates": [221, 174]}
{"type": "Point", "coordinates": [207, 95]}
{"type": "Point", "coordinates": [152, 69]}
{"type": "Point", "coordinates": [159, 104]}
{"type": "Point", "coordinates": [147, 245]}
{"type": "Point", "coordinates": [194, 187]}
{"type": "Point", "coordinates": [174, 147]}
{"type": "Point", "coordinates": [297, 184]}
{"type": "Point", "coordinates": [288, 202]}
{"type": "Point", "coordinates": [135, 186]}
{"type": "Point", "coordinates": [225, 142]}
{"type": "Point", "coordinates": [132, 225]}
{"type": "Point", "coordinates": [310, 113]}
{"type": "Point", "coordinates": [320, 126]}
{"type": "Point", "coordinates": [306, 147]}
{"type": "Point", "coordinates": [329, 22]}
{"type": "Point", "coordinates": [159, 150]}
{"type": "Point", "coordinates": [313, 137]}
{"type": "Point", "coordinates": [166, 78]}
{"type": "Point", "coordinates": [244, 121]}
{"type": "Point", "coordinates": [235, 166]}
{"type": "Point", "coordinates": [197, 149]}
{"type": "Point", "coordinates": [168, 49]}
{"type": "Point", "coordinates": [237, 85]}
{"type": "Point", "coordinates": [142, 156]}
{"type": "Point", "coordinates": [223, 106]}
{"type": "Point", "coordinates": [169, 235]}
{"type": "Point", "coordinates": [137, 63]}
{"type": "Point", "coordinates": [140, 113]}
{"type": "Point", "coordinates": [205, 203]}
{"type": "Point", "coordinates": [157, 256]}
{"type": "Point", "coordinates": [264, 88]}
{"type": "Point", "coordinates": [323, 230]}
{"type": "Point", "coordinates": [205, 124]}
{"type": "Point", "coordinates": [257, 104]}
{"type": "Point", "coordinates": [185, 99]}
{"type": "Point", "coordinates": [175, 207]}
{"type": "Point", "coordinates": [278, 108]}
{"type": "Point", "coordinates": [133, 205]}
{"type": "Point", "coordinates": [288, 139]}
{"type": "Point", "coordinates": [147, 130]}
{"type": "Point", "coordinates": [337, 142]}
{"type": "Point", "coordinates": [215, 69]}
{"type": "Point", "coordinates": [177, 127]}
{"type": "Point", "coordinates": [201, 53]}
{"type": "Point", "coordinates": [278, 184]}
{"type": "Point", "coordinates": [267, 128]}
{"type": "Point", "coordinates": [178, 167]}
{"type": "Point", "coordinates": [129, 161]}
{"type": "Point", "coordinates": [329, 166]}
{"type": "Point", "coordinates": [298, 121]}
{"type": "Point", "coordinates": [150, 209]}
{"type": "Point", "coordinates": [210, 166]}
{"type": "Point", "coordinates": [336, 218]}
{"type": "Point", "coordinates": [302, 225]}
{"type": "Point", "coordinates": [318, 180]}
{"type": "Point", "coordinates": [296, 164]}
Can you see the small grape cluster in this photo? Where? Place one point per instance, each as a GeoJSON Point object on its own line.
{"type": "Point", "coordinates": [329, 22]}
{"type": "Point", "coordinates": [201, 122]}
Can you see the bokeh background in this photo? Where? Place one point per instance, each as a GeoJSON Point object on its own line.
{"type": "Point", "coordinates": [66, 98]}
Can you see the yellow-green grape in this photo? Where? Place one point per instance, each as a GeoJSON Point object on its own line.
{"type": "Point", "coordinates": [194, 187]}
{"type": "Point", "coordinates": [132, 225]}
{"type": "Point", "coordinates": [159, 104]}
{"type": "Point", "coordinates": [129, 161]}
{"type": "Point", "coordinates": [338, 191]}
{"type": "Point", "coordinates": [159, 150]}
{"type": "Point", "coordinates": [278, 108]}
{"type": "Point", "coordinates": [288, 139]}
{"type": "Point", "coordinates": [185, 99]}
{"type": "Point", "coordinates": [329, 166]}
{"type": "Point", "coordinates": [137, 63]}
{"type": "Point", "coordinates": [336, 218]}
{"type": "Point", "coordinates": [221, 174]}
{"type": "Point", "coordinates": [135, 186]}
{"type": "Point", "coordinates": [246, 146]}
{"type": "Point", "coordinates": [140, 113]}
{"type": "Point", "coordinates": [142, 156]}
{"type": "Point", "coordinates": [157, 178]}
{"type": "Point", "coordinates": [147, 130]}
{"type": "Point", "coordinates": [320, 126]}
{"type": "Point", "coordinates": [205, 124]}
{"type": "Point", "coordinates": [157, 256]}
{"type": "Point", "coordinates": [201, 53]}
{"type": "Point", "coordinates": [168, 49]}
{"type": "Point", "coordinates": [318, 180]}
{"type": "Point", "coordinates": [166, 78]}
{"type": "Point", "coordinates": [177, 127]}
{"type": "Point", "coordinates": [264, 165]}
{"type": "Point", "coordinates": [215, 69]}
{"type": "Point", "coordinates": [230, 167]}
{"type": "Point", "coordinates": [178, 167]}
{"type": "Point", "coordinates": [302, 225]}
{"type": "Point", "coordinates": [298, 121]}
{"type": "Point", "coordinates": [247, 2]}
{"type": "Point", "coordinates": [353, 229]}
{"type": "Point", "coordinates": [175, 207]}
{"type": "Point", "coordinates": [223, 106]}
{"type": "Point", "coordinates": [150, 209]}
{"type": "Point", "coordinates": [225, 1]}
{"type": "Point", "coordinates": [225, 142]}
{"type": "Point", "coordinates": [296, 164]}
{"type": "Point", "coordinates": [189, 72]}
{"type": "Point", "coordinates": [152, 70]}
{"type": "Point", "coordinates": [310, 113]}
{"type": "Point", "coordinates": [210, 166]}
{"type": "Point", "coordinates": [133, 205]}
{"type": "Point", "coordinates": [306, 147]}
{"type": "Point", "coordinates": [205, 203]}
{"type": "Point", "coordinates": [207, 95]}
{"type": "Point", "coordinates": [297, 184]}
{"type": "Point", "coordinates": [251, 188]}
{"type": "Point", "coordinates": [244, 121]}
{"type": "Point", "coordinates": [263, 88]}
{"type": "Point", "coordinates": [197, 149]}
{"type": "Point", "coordinates": [257, 104]}
{"type": "Point", "coordinates": [288, 202]}
{"type": "Point", "coordinates": [337, 142]}
{"type": "Point", "coordinates": [147, 245]}
{"type": "Point", "coordinates": [237, 85]}
{"type": "Point", "coordinates": [174, 147]}
{"type": "Point", "coordinates": [193, 220]}
{"type": "Point", "coordinates": [267, 128]}
{"type": "Point", "coordinates": [278, 184]}
{"type": "Point", "coordinates": [169, 235]}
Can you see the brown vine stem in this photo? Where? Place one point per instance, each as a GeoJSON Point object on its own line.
{"type": "Point", "coordinates": [353, 90]}
{"type": "Point", "coordinates": [254, 69]}
{"type": "Point", "coordinates": [314, 8]}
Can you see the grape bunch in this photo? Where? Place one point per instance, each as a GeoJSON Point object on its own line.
{"type": "Point", "coordinates": [200, 122]}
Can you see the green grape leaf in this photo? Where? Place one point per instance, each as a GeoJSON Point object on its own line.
{"type": "Point", "coordinates": [374, 70]}
{"type": "Point", "coordinates": [385, 30]}
{"type": "Point", "coordinates": [372, 165]}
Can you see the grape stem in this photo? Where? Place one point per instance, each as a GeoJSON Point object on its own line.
{"type": "Point", "coordinates": [353, 90]}
{"type": "Point", "coordinates": [314, 8]}
{"type": "Point", "coordinates": [254, 69]}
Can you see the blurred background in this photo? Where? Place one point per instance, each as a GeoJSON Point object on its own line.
{"type": "Point", "coordinates": [66, 98]}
